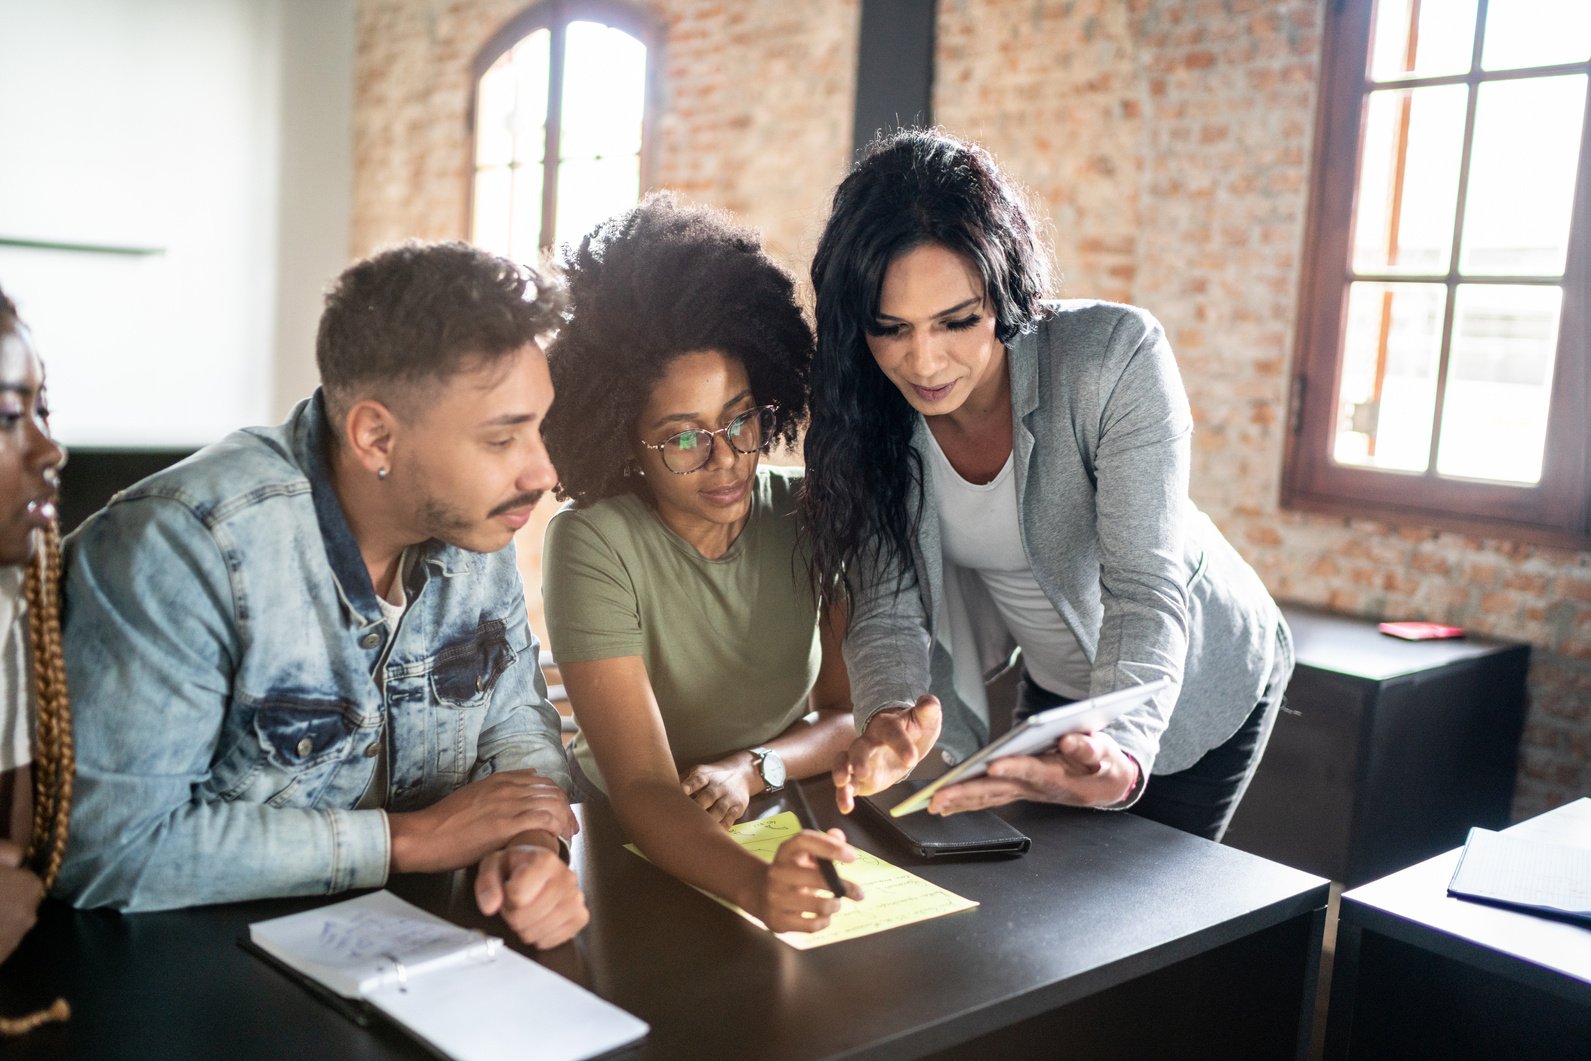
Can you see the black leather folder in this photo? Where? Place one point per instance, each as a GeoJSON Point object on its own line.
{"type": "Point", "coordinates": [925, 835]}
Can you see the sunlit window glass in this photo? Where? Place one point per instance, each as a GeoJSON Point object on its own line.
{"type": "Point", "coordinates": [1499, 382]}
{"type": "Point", "coordinates": [604, 102]}
{"type": "Point", "coordinates": [1490, 367]}
{"type": "Point", "coordinates": [543, 178]}
{"type": "Point", "coordinates": [1523, 33]}
{"type": "Point", "coordinates": [1522, 176]}
{"type": "Point", "coordinates": [1391, 357]}
{"type": "Point", "coordinates": [1422, 38]}
{"type": "Point", "coordinates": [1408, 179]}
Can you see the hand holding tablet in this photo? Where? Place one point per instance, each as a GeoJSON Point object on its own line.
{"type": "Point", "coordinates": [1038, 734]}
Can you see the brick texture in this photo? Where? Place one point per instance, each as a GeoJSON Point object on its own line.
{"type": "Point", "coordinates": [755, 103]}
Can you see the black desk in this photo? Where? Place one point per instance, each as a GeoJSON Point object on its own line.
{"type": "Point", "coordinates": [1386, 751]}
{"type": "Point", "coordinates": [1419, 974]}
{"type": "Point", "coordinates": [1113, 937]}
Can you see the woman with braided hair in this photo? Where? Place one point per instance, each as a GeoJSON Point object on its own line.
{"type": "Point", "coordinates": [35, 717]}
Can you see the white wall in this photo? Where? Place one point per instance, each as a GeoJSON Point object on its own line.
{"type": "Point", "coordinates": [212, 133]}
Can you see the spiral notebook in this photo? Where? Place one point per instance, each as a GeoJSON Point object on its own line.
{"type": "Point", "coordinates": [461, 993]}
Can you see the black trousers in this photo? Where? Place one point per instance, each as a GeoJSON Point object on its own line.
{"type": "Point", "coordinates": [1201, 799]}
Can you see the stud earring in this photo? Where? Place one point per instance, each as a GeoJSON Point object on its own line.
{"type": "Point", "coordinates": [381, 473]}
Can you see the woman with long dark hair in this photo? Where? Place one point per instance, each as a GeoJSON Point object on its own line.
{"type": "Point", "coordinates": [988, 471]}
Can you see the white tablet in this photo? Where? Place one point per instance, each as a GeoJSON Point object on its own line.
{"type": "Point", "coordinates": [1037, 734]}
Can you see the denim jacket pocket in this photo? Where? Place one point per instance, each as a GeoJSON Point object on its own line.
{"type": "Point", "coordinates": [300, 742]}
{"type": "Point", "coordinates": [463, 675]}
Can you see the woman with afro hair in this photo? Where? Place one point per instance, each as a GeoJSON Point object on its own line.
{"type": "Point", "coordinates": [681, 613]}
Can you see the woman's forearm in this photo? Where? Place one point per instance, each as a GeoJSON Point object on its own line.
{"type": "Point", "coordinates": [810, 745]}
{"type": "Point", "coordinates": [675, 834]}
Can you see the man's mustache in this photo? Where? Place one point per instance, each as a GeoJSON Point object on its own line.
{"type": "Point", "coordinates": [522, 501]}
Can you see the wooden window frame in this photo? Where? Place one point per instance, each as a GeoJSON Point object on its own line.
{"type": "Point", "coordinates": [555, 16]}
{"type": "Point", "coordinates": [1555, 511]}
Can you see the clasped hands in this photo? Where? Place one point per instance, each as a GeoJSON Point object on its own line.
{"type": "Point", "coordinates": [510, 824]}
{"type": "Point", "coordinates": [1084, 770]}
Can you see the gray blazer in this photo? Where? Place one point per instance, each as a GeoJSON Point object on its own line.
{"type": "Point", "coordinates": [1140, 576]}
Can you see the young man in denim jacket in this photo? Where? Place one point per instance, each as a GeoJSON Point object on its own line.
{"type": "Point", "coordinates": [299, 659]}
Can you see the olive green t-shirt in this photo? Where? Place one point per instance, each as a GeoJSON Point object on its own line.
{"type": "Point", "coordinates": [731, 645]}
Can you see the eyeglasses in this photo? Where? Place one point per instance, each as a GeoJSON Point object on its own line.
{"type": "Point", "coordinates": [689, 451]}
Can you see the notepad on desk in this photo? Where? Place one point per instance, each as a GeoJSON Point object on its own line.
{"type": "Point", "coordinates": [892, 896]}
{"type": "Point", "coordinates": [1528, 874]}
{"type": "Point", "coordinates": [460, 992]}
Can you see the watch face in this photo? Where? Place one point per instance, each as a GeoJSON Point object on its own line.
{"type": "Point", "coordinates": [772, 770]}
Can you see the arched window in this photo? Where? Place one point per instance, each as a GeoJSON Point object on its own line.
{"type": "Point", "coordinates": [560, 115]}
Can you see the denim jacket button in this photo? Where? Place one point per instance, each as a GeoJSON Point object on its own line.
{"type": "Point", "coordinates": [373, 750]}
{"type": "Point", "coordinates": [370, 640]}
{"type": "Point", "coordinates": [305, 746]}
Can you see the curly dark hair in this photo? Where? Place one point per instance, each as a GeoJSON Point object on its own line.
{"type": "Point", "coordinates": [418, 312]}
{"type": "Point", "coordinates": [912, 187]}
{"type": "Point", "coordinates": [645, 287]}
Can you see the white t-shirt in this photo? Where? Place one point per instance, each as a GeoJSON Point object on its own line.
{"type": "Point", "coordinates": [393, 605]}
{"type": "Point", "coordinates": [979, 532]}
{"type": "Point", "coordinates": [16, 696]}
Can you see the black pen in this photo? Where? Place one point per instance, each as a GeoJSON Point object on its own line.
{"type": "Point", "coordinates": [803, 813]}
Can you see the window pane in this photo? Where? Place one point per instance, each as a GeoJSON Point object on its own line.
{"type": "Point", "coordinates": [604, 93]}
{"type": "Point", "coordinates": [510, 140]}
{"type": "Point", "coordinates": [531, 71]}
{"type": "Point", "coordinates": [494, 115]}
{"type": "Point", "coordinates": [1536, 33]}
{"type": "Point", "coordinates": [1408, 180]}
{"type": "Point", "coordinates": [1499, 382]}
{"type": "Point", "coordinates": [1390, 357]}
{"type": "Point", "coordinates": [525, 240]}
{"type": "Point", "coordinates": [1522, 176]}
{"type": "Point", "coordinates": [1443, 40]}
{"type": "Point", "coordinates": [592, 189]}
{"type": "Point", "coordinates": [491, 208]}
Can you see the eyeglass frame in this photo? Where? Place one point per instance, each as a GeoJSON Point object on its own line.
{"type": "Point", "coordinates": [772, 409]}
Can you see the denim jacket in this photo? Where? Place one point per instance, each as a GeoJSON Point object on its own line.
{"type": "Point", "coordinates": [233, 683]}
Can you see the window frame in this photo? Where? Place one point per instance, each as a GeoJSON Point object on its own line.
{"type": "Point", "coordinates": [1555, 511]}
{"type": "Point", "coordinates": [555, 16]}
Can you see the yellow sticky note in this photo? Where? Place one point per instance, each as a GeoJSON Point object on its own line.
{"type": "Point", "coordinates": [892, 896]}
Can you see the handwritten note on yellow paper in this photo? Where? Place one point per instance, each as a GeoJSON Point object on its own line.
{"type": "Point", "coordinates": [893, 897]}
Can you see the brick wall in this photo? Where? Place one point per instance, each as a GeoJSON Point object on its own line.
{"type": "Point", "coordinates": [1170, 141]}
{"type": "Point", "coordinates": [755, 112]}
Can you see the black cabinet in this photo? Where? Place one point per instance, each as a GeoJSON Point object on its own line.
{"type": "Point", "coordinates": [1386, 751]}
{"type": "Point", "coordinates": [1418, 973]}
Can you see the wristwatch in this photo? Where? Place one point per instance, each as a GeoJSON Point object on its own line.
{"type": "Point", "coordinates": [769, 767]}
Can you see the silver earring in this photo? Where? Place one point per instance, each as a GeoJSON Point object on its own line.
{"type": "Point", "coordinates": [381, 473]}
